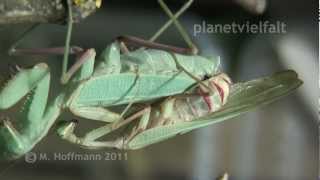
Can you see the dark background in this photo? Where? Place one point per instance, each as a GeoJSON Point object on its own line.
{"type": "Point", "coordinates": [279, 141]}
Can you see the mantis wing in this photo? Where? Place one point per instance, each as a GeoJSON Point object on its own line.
{"type": "Point", "coordinates": [244, 96]}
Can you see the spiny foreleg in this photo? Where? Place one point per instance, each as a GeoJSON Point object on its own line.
{"type": "Point", "coordinates": [34, 84]}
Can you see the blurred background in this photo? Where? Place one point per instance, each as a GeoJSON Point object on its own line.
{"type": "Point", "coordinates": [279, 141]}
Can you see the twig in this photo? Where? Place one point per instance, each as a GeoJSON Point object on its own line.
{"type": "Point", "coordinates": [41, 11]}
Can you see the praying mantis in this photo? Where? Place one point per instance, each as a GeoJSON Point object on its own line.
{"type": "Point", "coordinates": [87, 94]}
{"type": "Point", "coordinates": [129, 78]}
{"type": "Point", "coordinates": [160, 121]}
{"type": "Point", "coordinates": [181, 114]}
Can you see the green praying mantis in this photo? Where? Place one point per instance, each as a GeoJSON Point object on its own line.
{"type": "Point", "coordinates": [180, 114]}
{"type": "Point", "coordinates": [115, 80]}
{"type": "Point", "coordinates": [190, 90]}
{"type": "Point", "coordinates": [161, 120]}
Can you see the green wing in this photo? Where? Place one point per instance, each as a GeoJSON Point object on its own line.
{"type": "Point", "coordinates": [251, 94]}
{"type": "Point", "coordinates": [244, 96]}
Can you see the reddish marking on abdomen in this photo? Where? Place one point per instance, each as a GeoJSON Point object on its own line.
{"type": "Point", "coordinates": [220, 90]}
{"type": "Point", "coordinates": [206, 99]}
{"type": "Point", "coordinates": [225, 80]}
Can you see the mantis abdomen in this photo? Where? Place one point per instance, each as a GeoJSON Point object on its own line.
{"type": "Point", "coordinates": [201, 102]}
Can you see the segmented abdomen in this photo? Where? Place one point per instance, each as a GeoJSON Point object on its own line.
{"type": "Point", "coordinates": [205, 102]}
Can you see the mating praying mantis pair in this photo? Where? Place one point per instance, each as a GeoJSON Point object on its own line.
{"type": "Point", "coordinates": [180, 92]}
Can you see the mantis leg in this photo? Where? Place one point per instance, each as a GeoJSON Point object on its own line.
{"type": "Point", "coordinates": [83, 56]}
{"type": "Point", "coordinates": [96, 113]}
{"type": "Point", "coordinates": [15, 51]}
{"type": "Point", "coordinates": [21, 84]}
{"type": "Point", "coordinates": [74, 50]}
{"type": "Point", "coordinates": [145, 43]}
{"type": "Point", "coordinates": [179, 66]}
{"type": "Point", "coordinates": [85, 62]}
{"type": "Point", "coordinates": [181, 29]}
{"type": "Point", "coordinates": [168, 23]}
{"type": "Point", "coordinates": [66, 130]}
{"type": "Point", "coordinates": [13, 48]}
{"type": "Point", "coordinates": [104, 130]}
{"type": "Point", "coordinates": [33, 120]}
{"type": "Point", "coordinates": [173, 19]}
{"type": "Point", "coordinates": [151, 44]}
{"type": "Point", "coordinates": [66, 51]}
